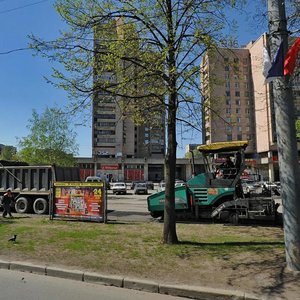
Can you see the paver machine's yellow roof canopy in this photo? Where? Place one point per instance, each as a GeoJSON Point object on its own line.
{"type": "Point", "coordinates": [223, 147]}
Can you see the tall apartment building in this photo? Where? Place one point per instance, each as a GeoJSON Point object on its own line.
{"type": "Point", "coordinates": [115, 134]}
{"type": "Point", "coordinates": [239, 103]}
{"type": "Point", "coordinates": [228, 99]}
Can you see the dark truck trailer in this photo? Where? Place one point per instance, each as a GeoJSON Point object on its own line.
{"type": "Point", "coordinates": [31, 185]}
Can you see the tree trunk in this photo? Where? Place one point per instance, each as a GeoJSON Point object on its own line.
{"type": "Point", "coordinates": [169, 233]}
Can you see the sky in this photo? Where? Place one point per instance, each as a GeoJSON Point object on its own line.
{"type": "Point", "coordinates": [22, 84]}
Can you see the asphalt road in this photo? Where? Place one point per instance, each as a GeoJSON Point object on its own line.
{"type": "Point", "coordinates": [128, 207]}
{"type": "Point", "coordinates": [15, 285]}
{"type": "Point", "coordinates": [134, 208]}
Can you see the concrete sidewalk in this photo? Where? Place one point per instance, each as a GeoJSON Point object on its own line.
{"type": "Point", "coordinates": [193, 292]}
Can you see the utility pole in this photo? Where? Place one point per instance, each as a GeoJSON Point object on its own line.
{"type": "Point", "coordinates": [286, 139]}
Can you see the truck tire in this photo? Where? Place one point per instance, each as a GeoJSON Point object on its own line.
{"type": "Point", "coordinates": [22, 205]}
{"type": "Point", "coordinates": [40, 206]}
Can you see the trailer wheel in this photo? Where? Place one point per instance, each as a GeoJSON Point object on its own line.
{"type": "Point", "coordinates": [40, 206]}
{"type": "Point", "coordinates": [22, 205]}
{"type": "Point", "coordinates": [234, 218]}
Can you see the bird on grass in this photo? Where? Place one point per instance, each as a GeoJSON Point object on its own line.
{"type": "Point", "coordinates": [13, 238]}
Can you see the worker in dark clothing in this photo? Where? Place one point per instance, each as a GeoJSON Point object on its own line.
{"type": "Point", "coordinates": [238, 161]}
{"type": "Point", "coordinates": [7, 200]}
{"type": "Point", "coordinates": [228, 168]}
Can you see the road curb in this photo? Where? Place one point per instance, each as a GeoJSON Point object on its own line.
{"type": "Point", "coordinates": [203, 293]}
{"type": "Point", "coordinates": [4, 264]}
{"type": "Point", "coordinates": [27, 267]}
{"type": "Point", "coordinates": [193, 292]}
{"type": "Point", "coordinates": [112, 280]}
{"type": "Point", "coordinates": [63, 273]}
{"type": "Point", "coordinates": [141, 285]}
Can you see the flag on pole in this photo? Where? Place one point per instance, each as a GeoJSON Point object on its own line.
{"type": "Point", "coordinates": [266, 62]}
{"type": "Point", "coordinates": [276, 69]}
{"type": "Point", "coordinates": [291, 57]}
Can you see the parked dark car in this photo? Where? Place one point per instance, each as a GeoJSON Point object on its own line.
{"type": "Point", "coordinates": [140, 188]}
{"type": "Point", "coordinates": [133, 183]}
{"type": "Point", "coordinates": [150, 185]}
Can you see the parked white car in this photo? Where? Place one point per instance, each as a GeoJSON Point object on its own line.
{"type": "Point", "coordinates": [248, 188]}
{"type": "Point", "coordinates": [162, 186]}
{"type": "Point", "coordinates": [269, 184]}
{"type": "Point", "coordinates": [93, 179]}
{"type": "Point", "coordinates": [119, 188]}
{"type": "Point", "coordinates": [179, 183]}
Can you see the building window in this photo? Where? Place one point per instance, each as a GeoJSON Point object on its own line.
{"type": "Point", "coordinates": [105, 132]}
{"type": "Point", "coordinates": [227, 84]}
{"type": "Point", "coordinates": [105, 108]}
{"type": "Point", "coordinates": [228, 102]}
{"type": "Point", "coordinates": [227, 93]}
{"type": "Point", "coordinates": [103, 93]}
{"type": "Point", "coordinates": [105, 116]}
{"type": "Point", "coordinates": [238, 120]}
{"type": "Point", "coordinates": [238, 110]}
{"type": "Point", "coordinates": [106, 124]}
{"type": "Point", "coordinates": [228, 128]}
{"type": "Point", "coordinates": [239, 137]}
{"type": "Point", "coordinates": [228, 111]}
{"type": "Point", "coordinates": [238, 102]}
{"type": "Point", "coordinates": [237, 93]}
{"type": "Point", "coordinates": [229, 137]}
{"type": "Point", "coordinates": [106, 140]}
{"type": "Point", "coordinates": [226, 68]}
{"type": "Point", "coordinates": [239, 128]}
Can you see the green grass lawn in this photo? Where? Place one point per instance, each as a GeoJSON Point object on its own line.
{"type": "Point", "coordinates": [136, 248]}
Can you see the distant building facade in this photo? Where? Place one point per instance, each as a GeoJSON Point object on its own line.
{"type": "Point", "coordinates": [239, 104]}
{"type": "Point", "coordinates": [114, 133]}
{"type": "Point", "coordinates": [130, 169]}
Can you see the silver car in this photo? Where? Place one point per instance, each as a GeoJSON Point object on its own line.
{"type": "Point", "coordinates": [248, 187]}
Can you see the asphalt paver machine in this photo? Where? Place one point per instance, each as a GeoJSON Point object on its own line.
{"type": "Point", "coordinates": [217, 192]}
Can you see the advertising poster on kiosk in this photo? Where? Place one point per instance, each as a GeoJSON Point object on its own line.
{"type": "Point", "coordinates": [79, 200]}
